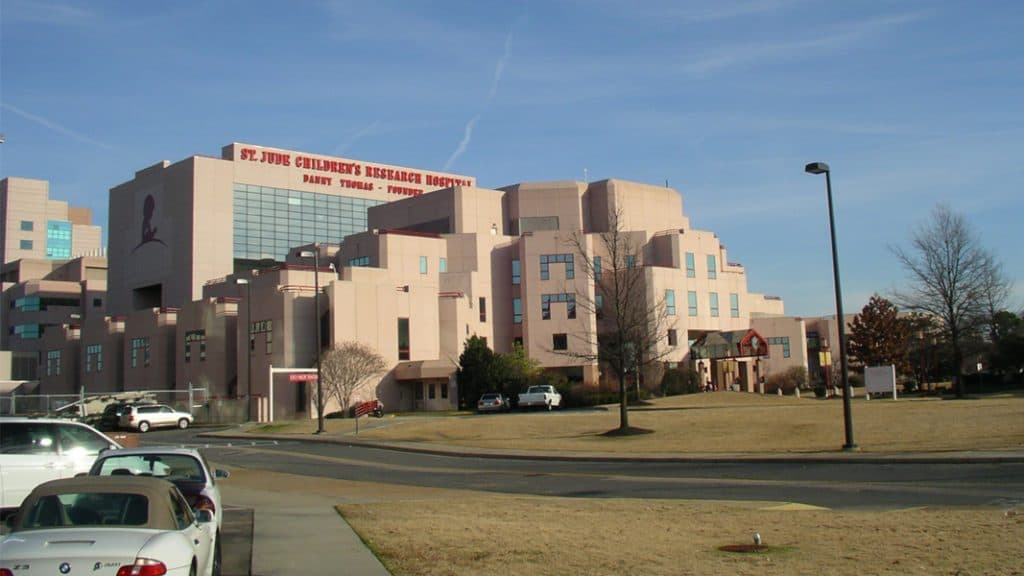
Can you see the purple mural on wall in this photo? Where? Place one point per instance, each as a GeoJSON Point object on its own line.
{"type": "Point", "coordinates": [148, 230]}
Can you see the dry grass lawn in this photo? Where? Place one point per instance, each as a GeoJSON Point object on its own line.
{"type": "Point", "coordinates": [492, 534]}
{"type": "Point", "coordinates": [725, 422]}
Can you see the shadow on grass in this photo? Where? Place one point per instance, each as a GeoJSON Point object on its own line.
{"type": "Point", "coordinates": [628, 431]}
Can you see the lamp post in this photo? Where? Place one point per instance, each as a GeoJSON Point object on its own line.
{"type": "Point", "coordinates": [822, 168]}
{"type": "Point", "coordinates": [248, 345]}
{"type": "Point", "coordinates": [315, 255]}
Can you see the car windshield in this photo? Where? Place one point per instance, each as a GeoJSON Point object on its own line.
{"type": "Point", "coordinates": [173, 467]}
{"type": "Point", "coordinates": [87, 509]}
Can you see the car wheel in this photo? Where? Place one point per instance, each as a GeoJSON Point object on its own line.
{"type": "Point", "coordinates": [216, 557]}
{"type": "Point", "coordinates": [143, 427]}
{"type": "Point", "coordinates": [549, 406]}
{"type": "Point", "coordinates": [183, 423]}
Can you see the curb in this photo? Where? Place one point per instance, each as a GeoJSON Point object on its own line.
{"type": "Point", "coordinates": [1010, 457]}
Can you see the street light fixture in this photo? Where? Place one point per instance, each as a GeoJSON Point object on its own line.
{"type": "Point", "coordinates": [315, 255]}
{"type": "Point", "coordinates": [248, 345]}
{"type": "Point", "coordinates": [822, 168]}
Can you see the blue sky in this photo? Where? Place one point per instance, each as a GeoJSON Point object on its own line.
{"type": "Point", "coordinates": [911, 103]}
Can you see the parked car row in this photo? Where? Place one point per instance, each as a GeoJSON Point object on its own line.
{"type": "Point", "coordinates": [143, 417]}
{"type": "Point", "coordinates": [112, 510]}
{"type": "Point", "coordinates": [541, 396]}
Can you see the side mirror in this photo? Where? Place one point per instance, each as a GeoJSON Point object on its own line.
{"type": "Point", "coordinates": [218, 473]}
{"type": "Point", "coordinates": [204, 516]}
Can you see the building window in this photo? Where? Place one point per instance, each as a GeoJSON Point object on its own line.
{"type": "Point", "coordinates": [517, 310]}
{"type": "Point", "coordinates": [673, 338]}
{"type": "Point", "coordinates": [25, 244]}
{"type": "Point", "coordinates": [198, 336]}
{"type": "Point", "coordinates": [712, 267]}
{"type": "Point", "coordinates": [547, 299]}
{"type": "Point", "coordinates": [97, 302]}
{"type": "Point", "coordinates": [188, 352]}
{"type": "Point", "coordinates": [713, 299]}
{"type": "Point", "coordinates": [94, 357]}
{"type": "Point", "coordinates": [559, 341]}
{"type": "Point", "coordinates": [53, 363]}
{"type": "Point", "coordinates": [597, 268]}
{"type": "Point", "coordinates": [517, 341]}
{"type": "Point", "coordinates": [483, 309]}
{"type": "Point", "coordinates": [403, 338]}
{"type": "Point", "coordinates": [140, 351]}
{"type": "Point", "coordinates": [433, 390]}
{"type": "Point", "coordinates": [265, 327]}
{"type": "Point", "coordinates": [419, 390]}
{"type": "Point", "coordinates": [734, 305]}
{"type": "Point", "coordinates": [691, 301]}
{"type": "Point", "coordinates": [691, 268]}
{"type": "Point", "coordinates": [516, 273]}
{"type": "Point", "coordinates": [442, 265]}
{"type": "Point", "coordinates": [28, 331]}
{"type": "Point", "coordinates": [360, 262]}
{"type": "Point", "coordinates": [58, 239]}
{"type": "Point", "coordinates": [630, 261]}
{"type": "Point", "coordinates": [567, 259]}
{"type": "Point", "coordinates": [670, 302]}
{"type": "Point", "coordinates": [444, 390]}
{"type": "Point", "coordinates": [598, 306]}
{"type": "Point", "coordinates": [780, 341]}
{"type": "Point", "coordinates": [423, 264]}
{"type": "Point", "coordinates": [27, 225]}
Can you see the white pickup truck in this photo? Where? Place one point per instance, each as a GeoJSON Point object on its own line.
{"type": "Point", "coordinates": [537, 396]}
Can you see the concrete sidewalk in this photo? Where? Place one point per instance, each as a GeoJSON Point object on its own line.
{"type": "Point", "coordinates": [300, 534]}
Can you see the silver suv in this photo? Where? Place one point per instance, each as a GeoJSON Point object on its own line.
{"type": "Point", "coordinates": [35, 450]}
{"type": "Point", "coordinates": [142, 417]}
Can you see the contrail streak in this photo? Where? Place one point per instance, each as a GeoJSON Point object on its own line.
{"type": "Point", "coordinates": [54, 126]}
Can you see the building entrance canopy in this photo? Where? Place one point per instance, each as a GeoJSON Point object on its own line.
{"type": "Point", "coordinates": [734, 344]}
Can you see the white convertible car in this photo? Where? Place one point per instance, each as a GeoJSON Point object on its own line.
{"type": "Point", "coordinates": [108, 526]}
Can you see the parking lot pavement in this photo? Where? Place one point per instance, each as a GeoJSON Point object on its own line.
{"type": "Point", "coordinates": [298, 533]}
{"type": "Point", "coordinates": [237, 541]}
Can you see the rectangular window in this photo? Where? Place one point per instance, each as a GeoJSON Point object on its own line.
{"type": "Point", "coordinates": [423, 264]}
{"type": "Point", "coordinates": [97, 302]}
{"type": "Point", "coordinates": [444, 389]}
{"type": "Point", "coordinates": [27, 225]}
{"type": "Point", "coordinates": [560, 341]}
{"type": "Point", "coordinates": [712, 267]}
{"type": "Point", "coordinates": [598, 305]}
{"type": "Point", "coordinates": [673, 338]}
{"type": "Point", "coordinates": [516, 273]}
{"type": "Point", "coordinates": [360, 262]}
{"type": "Point", "coordinates": [403, 338]}
{"type": "Point", "coordinates": [670, 302]}
{"type": "Point", "coordinates": [517, 310]}
{"type": "Point", "coordinates": [139, 352]}
{"type": "Point", "coordinates": [188, 352]}
{"type": "Point", "coordinates": [567, 259]}
{"type": "Point", "coordinates": [517, 341]}
{"type": "Point", "coordinates": [268, 345]}
{"type": "Point", "coordinates": [547, 299]}
{"type": "Point", "coordinates": [442, 265]}
{"type": "Point", "coordinates": [53, 363]}
{"type": "Point", "coordinates": [25, 244]}
{"type": "Point", "coordinates": [780, 341]}
{"type": "Point", "coordinates": [419, 390]}
{"type": "Point", "coordinates": [691, 268]}
{"type": "Point", "coordinates": [713, 299]}
{"type": "Point", "coordinates": [597, 268]}
{"type": "Point", "coordinates": [734, 305]}
{"type": "Point", "coordinates": [691, 301]}
{"type": "Point", "coordinates": [433, 390]}
{"type": "Point", "coordinates": [94, 358]}
{"type": "Point", "coordinates": [630, 261]}
{"type": "Point", "coordinates": [483, 309]}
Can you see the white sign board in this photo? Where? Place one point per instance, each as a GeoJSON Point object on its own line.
{"type": "Point", "coordinates": [880, 380]}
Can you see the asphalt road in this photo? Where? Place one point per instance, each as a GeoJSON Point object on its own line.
{"type": "Point", "coordinates": [839, 485]}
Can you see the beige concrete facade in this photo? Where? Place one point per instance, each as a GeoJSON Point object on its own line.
{"type": "Point", "coordinates": [26, 214]}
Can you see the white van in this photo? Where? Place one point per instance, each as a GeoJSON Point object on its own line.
{"type": "Point", "coordinates": [35, 450]}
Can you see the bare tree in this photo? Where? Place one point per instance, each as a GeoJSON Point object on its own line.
{"type": "Point", "coordinates": [953, 278]}
{"type": "Point", "coordinates": [345, 367]}
{"type": "Point", "coordinates": [630, 322]}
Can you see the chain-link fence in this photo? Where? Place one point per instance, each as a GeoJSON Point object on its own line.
{"type": "Point", "coordinates": [89, 406]}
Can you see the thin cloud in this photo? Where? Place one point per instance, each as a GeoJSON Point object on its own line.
{"type": "Point", "coordinates": [55, 127]}
{"type": "Point", "coordinates": [467, 135]}
{"type": "Point", "coordinates": [373, 128]}
{"type": "Point", "coordinates": [50, 13]}
{"type": "Point", "coordinates": [742, 54]}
